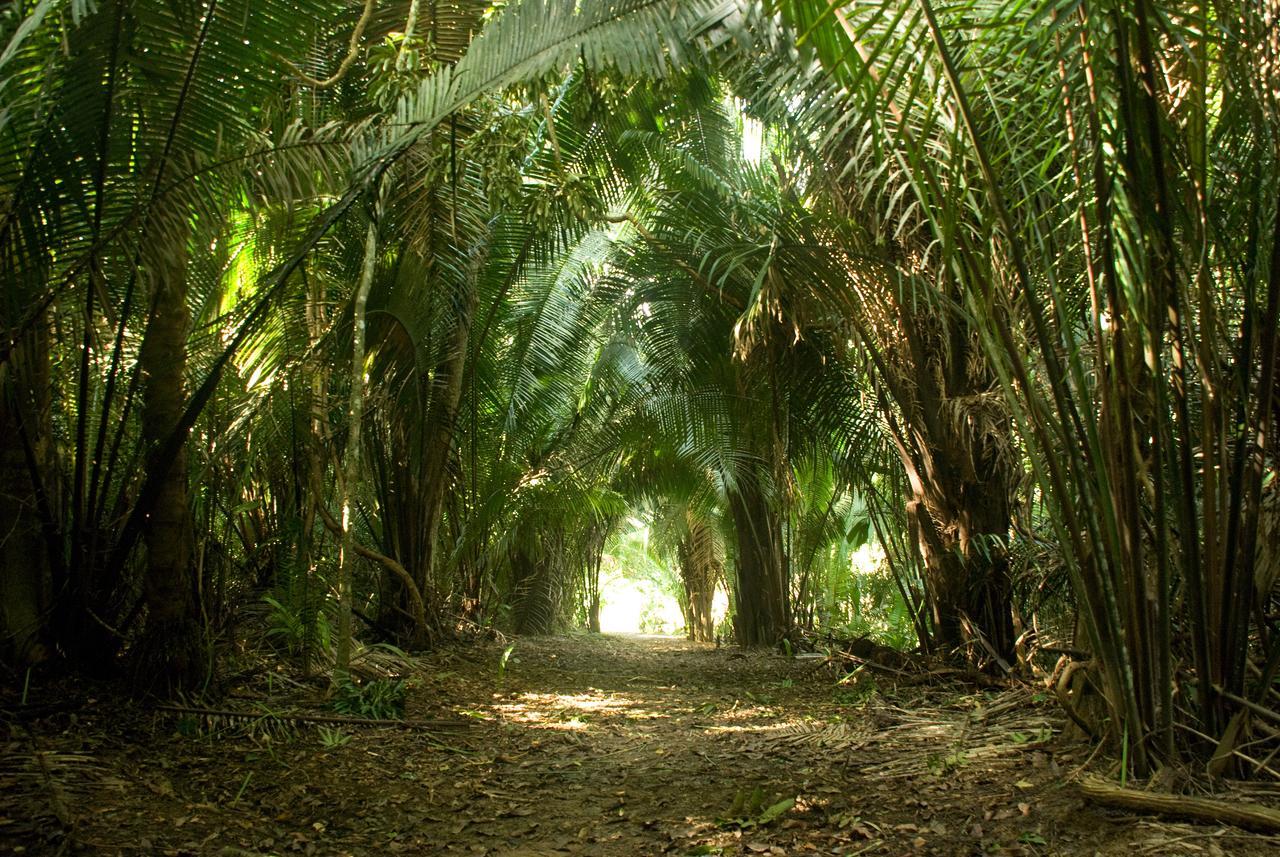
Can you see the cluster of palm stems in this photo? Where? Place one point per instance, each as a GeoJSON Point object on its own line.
{"type": "Point", "coordinates": [396, 311]}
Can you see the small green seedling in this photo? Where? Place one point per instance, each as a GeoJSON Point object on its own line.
{"type": "Point", "coordinates": [502, 662]}
{"type": "Point", "coordinates": [332, 739]}
{"type": "Point", "coordinates": [244, 785]}
{"type": "Point", "coordinates": [749, 810]}
{"type": "Point", "coordinates": [380, 699]}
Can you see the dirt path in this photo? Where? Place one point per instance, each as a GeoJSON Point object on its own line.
{"type": "Point", "coordinates": [607, 746]}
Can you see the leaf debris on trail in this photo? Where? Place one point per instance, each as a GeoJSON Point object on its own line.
{"type": "Point", "coordinates": [591, 746]}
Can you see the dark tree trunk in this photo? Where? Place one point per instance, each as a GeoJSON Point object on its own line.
{"type": "Point", "coordinates": [24, 472]}
{"type": "Point", "coordinates": [595, 556]}
{"type": "Point", "coordinates": [170, 653]}
{"type": "Point", "coordinates": [959, 514]}
{"type": "Point", "coordinates": [423, 490]}
{"type": "Point", "coordinates": [593, 612]}
{"type": "Point", "coordinates": [316, 428]}
{"type": "Point", "coordinates": [538, 579]}
{"type": "Point", "coordinates": [955, 442]}
{"type": "Point", "coordinates": [760, 618]}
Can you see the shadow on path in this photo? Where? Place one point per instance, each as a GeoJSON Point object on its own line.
{"type": "Point", "coordinates": [586, 745]}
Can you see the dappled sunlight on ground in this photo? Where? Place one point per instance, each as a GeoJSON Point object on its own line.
{"type": "Point", "coordinates": [572, 711]}
{"type": "Point", "coordinates": [599, 746]}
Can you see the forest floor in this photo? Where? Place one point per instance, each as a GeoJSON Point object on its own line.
{"type": "Point", "coordinates": [591, 745]}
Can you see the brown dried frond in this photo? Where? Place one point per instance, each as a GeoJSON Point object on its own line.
{"type": "Point", "coordinates": [983, 420]}
{"type": "Point", "coordinates": [1266, 573]}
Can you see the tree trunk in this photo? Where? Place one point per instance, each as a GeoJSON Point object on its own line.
{"type": "Point", "coordinates": [959, 514]}
{"type": "Point", "coordinates": [595, 557]}
{"type": "Point", "coordinates": [699, 571]}
{"type": "Point", "coordinates": [593, 607]}
{"type": "Point", "coordinates": [24, 467]}
{"type": "Point", "coordinates": [170, 653]}
{"type": "Point", "coordinates": [419, 528]}
{"type": "Point", "coordinates": [955, 443]}
{"type": "Point", "coordinates": [317, 452]}
{"type": "Point", "coordinates": [760, 618]}
{"type": "Point", "coordinates": [351, 455]}
{"type": "Point", "coordinates": [538, 579]}
{"type": "Point", "coordinates": [442, 420]}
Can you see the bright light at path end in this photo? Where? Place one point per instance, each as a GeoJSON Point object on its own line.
{"type": "Point", "coordinates": [635, 607]}
{"type": "Point", "coordinates": [638, 607]}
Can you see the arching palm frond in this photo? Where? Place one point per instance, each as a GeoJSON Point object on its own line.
{"type": "Point", "coordinates": [1063, 163]}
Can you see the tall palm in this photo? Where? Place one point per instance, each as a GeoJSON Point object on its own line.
{"type": "Point", "coordinates": [1115, 255]}
{"type": "Point", "coordinates": [161, 114]}
{"type": "Point", "coordinates": [697, 274]}
{"type": "Point", "coordinates": [108, 190]}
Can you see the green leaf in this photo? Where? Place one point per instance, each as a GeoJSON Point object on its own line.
{"type": "Point", "coordinates": [859, 533]}
{"type": "Point", "coordinates": [773, 813]}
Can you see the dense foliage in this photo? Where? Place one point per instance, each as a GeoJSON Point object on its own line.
{"type": "Point", "coordinates": [954, 325]}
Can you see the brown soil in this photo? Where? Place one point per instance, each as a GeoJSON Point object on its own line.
{"type": "Point", "coordinates": [582, 746]}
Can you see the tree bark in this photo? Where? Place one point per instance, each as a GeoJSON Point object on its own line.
{"type": "Point", "coordinates": [442, 420]}
{"type": "Point", "coordinates": [1250, 816]}
{"type": "Point", "coordinates": [760, 618]}
{"type": "Point", "coordinates": [317, 451]}
{"type": "Point", "coordinates": [593, 606]}
{"type": "Point", "coordinates": [699, 571]}
{"type": "Point", "coordinates": [959, 515]}
{"type": "Point", "coordinates": [417, 527]}
{"type": "Point", "coordinates": [25, 424]}
{"type": "Point", "coordinates": [351, 455]}
{"type": "Point", "coordinates": [170, 654]}
{"type": "Point", "coordinates": [594, 559]}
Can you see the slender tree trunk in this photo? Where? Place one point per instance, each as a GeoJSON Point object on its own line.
{"type": "Point", "coordinates": [351, 456]}
{"type": "Point", "coordinates": [443, 422]}
{"type": "Point", "coordinates": [593, 601]}
{"type": "Point", "coordinates": [171, 651]}
{"type": "Point", "coordinates": [594, 559]}
{"type": "Point", "coordinates": [317, 431]}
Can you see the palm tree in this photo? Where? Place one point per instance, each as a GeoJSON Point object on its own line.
{"type": "Point", "coordinates": [704, 250]}
{"type": "Point", "coordinates": [106, 250]}
{"type": "Point", "coordinates": [162, 114]}
{"type": "Point", "coordinates": [1104, 255]}
{"type": "Point", "coordinates": [900, 302]}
